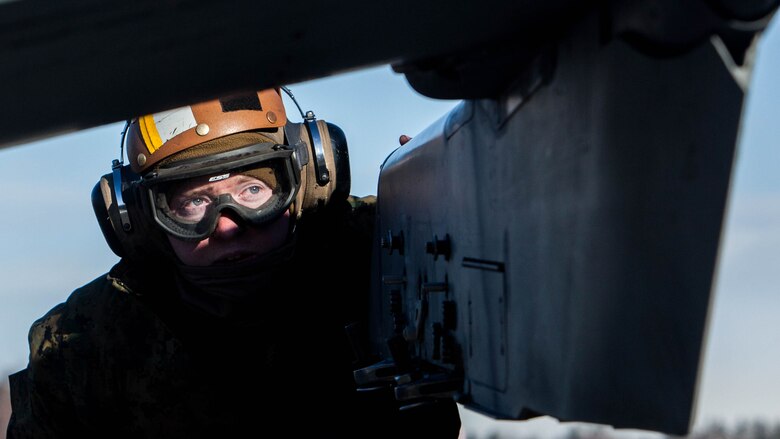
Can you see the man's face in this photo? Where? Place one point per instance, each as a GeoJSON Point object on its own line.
{"type": "Point", "coordinates": [232, 240]}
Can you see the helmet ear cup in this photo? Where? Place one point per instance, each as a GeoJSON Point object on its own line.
{"type": "Point", "coordinates": [326, 140]}
{"type": "Point", "coordinates": [103, 200]}
{"type": "Point", "coordinates": [343, 179]}
{"type": "Point", "coordinates": [122, 219]}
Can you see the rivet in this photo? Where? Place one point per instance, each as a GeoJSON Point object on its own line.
{"type": "Point", "coordinates": [202, 129]}
{"type": "Point", "coordinates": [141, 159]}
{"type": "Point", "coordinates": [271, 116]}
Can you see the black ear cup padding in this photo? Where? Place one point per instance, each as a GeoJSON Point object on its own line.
{"type": "Point", "coordinates": [101, 208]}
{"type": "Point", "coordinates": [341, 159]}
{"type": "Point", "coordinates": [142, 239]}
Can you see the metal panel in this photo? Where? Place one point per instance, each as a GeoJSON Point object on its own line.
{"type": "Point", "coordinates": [584, 225]}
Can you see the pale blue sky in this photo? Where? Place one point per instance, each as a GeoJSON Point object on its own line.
{"type": "Point", "coordinates": [52, 244]}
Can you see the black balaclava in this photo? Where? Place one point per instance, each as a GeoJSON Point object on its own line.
{"type": "Point", "coordinates": [230, 291]}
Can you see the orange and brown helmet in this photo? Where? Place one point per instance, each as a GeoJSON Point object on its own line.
{"type": "Point", "coordinates": [155, 137]}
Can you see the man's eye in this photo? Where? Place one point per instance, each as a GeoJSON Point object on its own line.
{"type": "Point", "coordinates": [189, 204]}
{"type": "Point", "coordinates": [255, 189]}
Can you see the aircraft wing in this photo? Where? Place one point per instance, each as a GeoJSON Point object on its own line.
{"type": "Point", "coordinates": [83, 63]}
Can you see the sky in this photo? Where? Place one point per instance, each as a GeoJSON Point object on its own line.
{"type": "Point", "coordinates": [51, 242]}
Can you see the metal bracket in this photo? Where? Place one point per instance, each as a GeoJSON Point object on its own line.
{"type": "Point", "coordinates": [320, 166]}
{"type": "Point", "coordinates": [116, 170]}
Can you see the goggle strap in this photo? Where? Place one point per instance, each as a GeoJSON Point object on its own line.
{"type": "Point", "coordinates": [293, 134]}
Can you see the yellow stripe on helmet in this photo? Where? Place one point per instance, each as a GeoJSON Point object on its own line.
{"type": "Point", "coordinates": [149, 132]}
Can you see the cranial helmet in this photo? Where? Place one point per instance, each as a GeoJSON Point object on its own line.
{"type": "Point", "coordinates": [301, 167]}
{"type": "Point", "coordinates": [155, 137]}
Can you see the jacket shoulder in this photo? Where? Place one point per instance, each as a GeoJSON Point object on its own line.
{"type": "Point", "coordinates": [70, 317]}
{"type": "Point", "coordinates": [43, 394]}
{"type": "Point", "coordinates": [76, 330]}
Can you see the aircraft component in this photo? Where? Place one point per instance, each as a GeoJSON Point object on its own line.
{"type": "Point", "coordinates": [581, 211]}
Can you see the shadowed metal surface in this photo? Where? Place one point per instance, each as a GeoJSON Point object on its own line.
{"type": "Point", "coordinates": [583, 210]}
{"type": "Point", "coordinates": [83, 63]}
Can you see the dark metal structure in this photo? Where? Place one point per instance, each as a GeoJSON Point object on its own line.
{"type": "Point", "coordinates": [548, 247]}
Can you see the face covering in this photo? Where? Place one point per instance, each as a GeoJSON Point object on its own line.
{"type": "Point", "coordinates": [239, 291]}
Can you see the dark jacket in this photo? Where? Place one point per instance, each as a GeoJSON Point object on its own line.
{"type": "Point", "coordinates": [124, 357]}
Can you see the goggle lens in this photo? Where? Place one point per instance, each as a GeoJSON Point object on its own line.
{"type": "Point", "coordinates": [190, 201]}
{"type": "Point", "coordinates": [258, 183]}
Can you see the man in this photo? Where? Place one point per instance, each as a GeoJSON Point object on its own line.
{"type": "Point", "coordinates": [243, 260]}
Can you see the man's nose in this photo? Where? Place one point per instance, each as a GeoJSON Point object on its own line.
{"type": "Point", "coordinates": [227, 226]}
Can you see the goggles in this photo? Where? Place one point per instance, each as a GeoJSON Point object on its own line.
{"type": "Point", "coordinates": [257, 182]}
